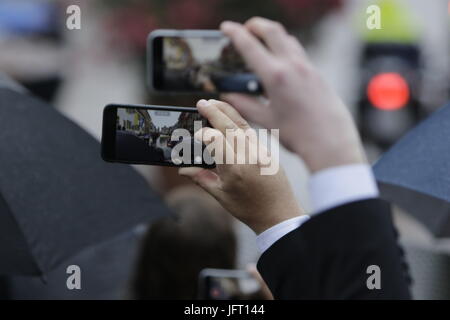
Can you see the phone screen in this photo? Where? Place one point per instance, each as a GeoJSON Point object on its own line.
{"type": "Point", "coordinates": [149, 135]}
{"type": "Point", "coordinates": [201, 64]}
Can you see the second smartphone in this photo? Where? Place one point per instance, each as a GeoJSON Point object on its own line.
{"type": "Point", "coordinates": [147, 134]}
{"type": "Point", "coordinates": [201, 61]}
{"type": "Point", "coordinates": [224, 284]}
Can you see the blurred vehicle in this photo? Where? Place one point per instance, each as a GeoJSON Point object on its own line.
{"type": "Point", "coordinates": [390, 77]}
{"type": "Point", "coordinates": [31, 40]}
{"type": "Point", "coordinates": [389, 104]}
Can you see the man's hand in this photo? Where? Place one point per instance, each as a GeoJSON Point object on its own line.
{"type": "Point", "coordinates": [313, 121]}
{"type": "Point", "coordinates": [259, 201]}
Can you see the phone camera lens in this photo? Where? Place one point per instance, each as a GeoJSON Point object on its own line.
{"type": "Point", "coordinates": [252, 85]}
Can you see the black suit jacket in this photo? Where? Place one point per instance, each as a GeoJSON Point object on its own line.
{"type": "Point", "coordinates": [328, 256]}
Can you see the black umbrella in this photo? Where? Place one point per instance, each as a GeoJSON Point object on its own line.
{"type": "Point", "coordinates": [106, 273]}
{"type": "Point", "coordinates": [57, 196]}
{"type": "Point", "coordinates": [415, 172]}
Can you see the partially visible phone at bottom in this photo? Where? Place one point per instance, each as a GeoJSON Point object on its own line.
{"type": "Point", "coordinates": [153, 135]}
{"type": "Point", "coordinates": [228, 284]}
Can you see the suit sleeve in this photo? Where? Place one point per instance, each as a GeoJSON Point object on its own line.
{"type": "Point", "coordinates": [329, 255]}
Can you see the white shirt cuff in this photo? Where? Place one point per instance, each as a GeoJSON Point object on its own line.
{"type": "Point", "coordinates": [265, 239]}
{"type": "Point", "coordinates": [328, 188]}
{"type": "Point", "coordinates": [333, 187]}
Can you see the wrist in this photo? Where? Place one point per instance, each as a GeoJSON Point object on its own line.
{"type": "Point", "coordinates": [323, 156]}
{"type": "Point", "coordinates": [274, 217]}
{"type": "Point", "coordinates": [326, 160]}
{"type": "Point", "coordinates": [261, 227]}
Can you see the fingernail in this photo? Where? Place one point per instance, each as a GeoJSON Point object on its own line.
{"type": "Point", "coordinates": [198, 135]}
{"type": "Point", "coordinates": [202, 103]}
{"type": "Point", "coordinates": [227, 24]}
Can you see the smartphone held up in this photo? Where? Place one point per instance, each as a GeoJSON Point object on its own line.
{"type": "Point", "coordinates": [155, 135]}
{"type": "Point", "coordinates": [178, 61]}
{"type": "Point", "coordinates": [201, 61]}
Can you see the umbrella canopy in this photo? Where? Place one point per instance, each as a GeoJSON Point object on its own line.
{"type": "Point", "coordinates": [106, 271]}
{"type": "Point", "coordinates": [415, 172]}
{"type": "Point", "coordinates": [57, 196]}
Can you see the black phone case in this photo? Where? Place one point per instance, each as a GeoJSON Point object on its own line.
{"type": "Point", "coordinates": [109, 129]}
{"type": "Point", "coordinates": [150, 57]}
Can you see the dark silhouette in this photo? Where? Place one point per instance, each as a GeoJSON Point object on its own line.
{"type": "Point", "coordinates": [175, 249]}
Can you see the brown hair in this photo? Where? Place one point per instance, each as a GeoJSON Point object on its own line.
{"type": "Point", "coordinates": [175, 249]}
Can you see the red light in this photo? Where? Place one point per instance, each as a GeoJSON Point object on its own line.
{"type": "Point", "coordinates": [388, 91]}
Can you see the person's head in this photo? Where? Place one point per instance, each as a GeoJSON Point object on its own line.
{"type": "Point", "coordinates": [175, 249]}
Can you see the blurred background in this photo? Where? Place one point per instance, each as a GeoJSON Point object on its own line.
{"type": "Point", "coordinates": [390, 79]}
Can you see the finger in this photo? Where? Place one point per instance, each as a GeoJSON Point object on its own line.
{"type": "Point", "coordinates": [231, 113]}
{"type": "Point", "coordinates": [250, 107]}
{"type": "Point", "coordinates": [207, 179]}
{"type": "Point", "coordinates": [235, 137]}
{"type": "Point", "coordinates": [256, 56]}
{"type": "Point", "coordinates": [218, 119]}
{"type": "Point", "coordinates": [276, 38]}
{"type": "Point", "coordinates": [217, 146]}
{"type": "Point", "coordinates": [272, 33]}
{"type": "Point", "coordinates": [296, 47]}
{"type": "Point", "coordinates": [189, 171]}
